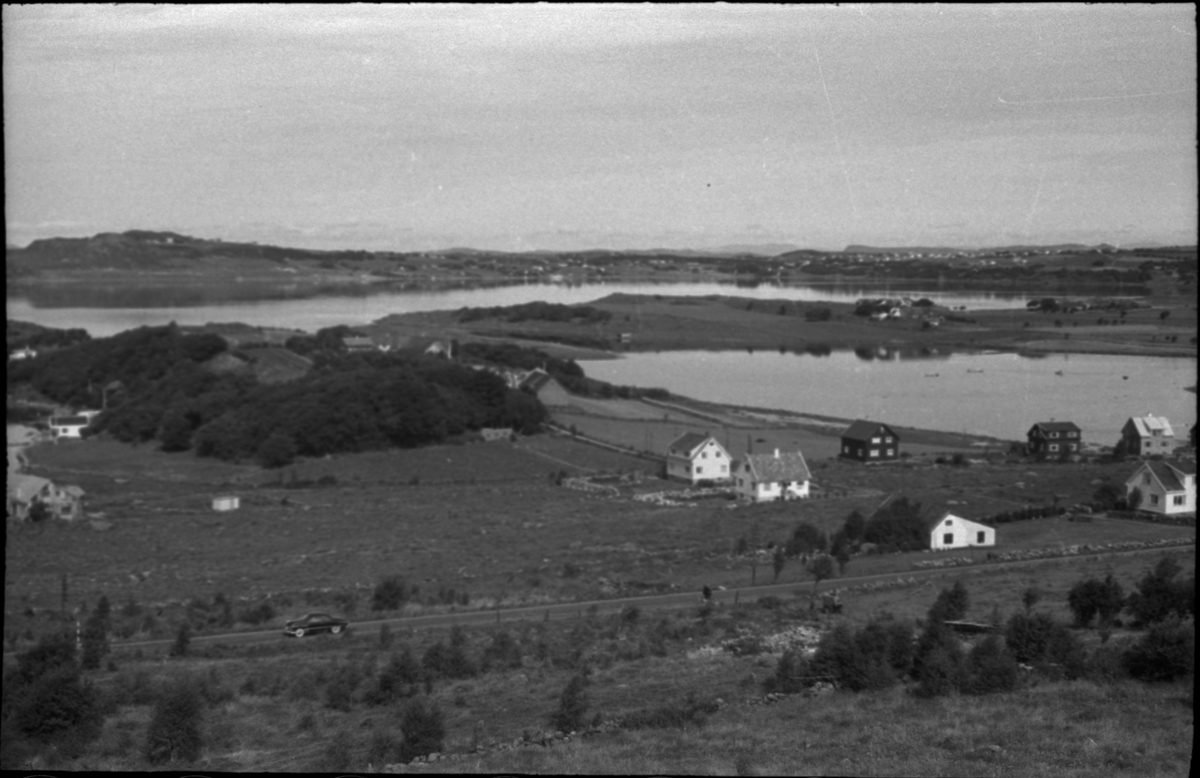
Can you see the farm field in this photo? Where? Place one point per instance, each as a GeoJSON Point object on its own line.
{"type": "Point", "coordinates": [484, 520]}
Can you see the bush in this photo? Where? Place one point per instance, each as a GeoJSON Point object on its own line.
{"type": "Point", "coordinates": [951, 604]}
{"type": "Point", "coordinates": [1166, 652]}
{"type": "Point", "coordinates": [504, 653]}
{"type": "Point", "coordinates": [938, 661]}
{"type": "Point", "coordinates": [55, 703]}
{"type": "Point", "coordinates": [278, 450]}
{"type": "Point", "coordinates": [422, 728]}
{"type": "Point", "coordinates": [572, 705]}
{"type": "Point", "coordinates": [174, 732]}
{"type": "Point", "coordinates": [1105, 665]}
{"type": "Point", "coordinates": [401, 678]}
{"type": "Point", "coordinates": [1093, 597]}
{"type": "Point", "coordinates": [339, 694]}
{"type": "Point", "coordinates": [1160, 594]}
{"type": "Point", "coordinates": [1027, 635]}
{"type": "Point", "coordinates": [442, 661]}
{"type": "Point", "coordinates": [791, 672]}
{"type": "Point", "coordinates": [990, 668]}
{"type": "Point", "coordinates": [390, 594]}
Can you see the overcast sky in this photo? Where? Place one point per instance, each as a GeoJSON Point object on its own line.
{"type": "Point", "coordinates": [561, 127]}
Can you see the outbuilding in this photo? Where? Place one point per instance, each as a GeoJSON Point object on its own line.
{"type": "Point", "coordinates": [952, 531]}
{"type": "Point", "coordinates": [226, 503]}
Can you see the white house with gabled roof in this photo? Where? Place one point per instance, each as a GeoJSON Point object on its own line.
{"type": "Point", "coordinates": [695, 457]}
{"type": "Point", "coordinates": [952, 531]}
{"type": "Point", "coordinates": [1167, 488]}
{"type": "Point", "coordinates": [769, 477]}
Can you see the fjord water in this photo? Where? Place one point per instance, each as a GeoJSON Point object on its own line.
{"type": "Point", "coordinates": [996, 394]}
{"type": "Point", "coordinates": [104, 313]}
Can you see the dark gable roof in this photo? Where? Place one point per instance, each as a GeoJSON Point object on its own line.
{"type": "Point", "coordinates": [1170, 476]}
{"type": "Point", "coordinates": [1055, 426]}
{"type": "Point", "coordinates": [863, 430]}
{"type": "Point", "coordinates": [688, 442]}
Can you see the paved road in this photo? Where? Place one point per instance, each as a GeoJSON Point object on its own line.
{"type": "Point", "coordinates": [559, 611]}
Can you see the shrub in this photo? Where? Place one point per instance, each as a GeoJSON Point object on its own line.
{"type": "Point", "coordinates": [259, 614]}
{"type": "Point", "coordinates": [1160, 594]}
{"type": "Point", "coordinates": [422, 728]}
{"type": "Point", "coordinates": [450, 661]}
{"type": "Point", "coordinates": [1165, 652]}
{"type": "Point", "coordinates": [691, 711]}
{"type": "Point", "coordinates": [390, 594]}
{"type": "Point", "coordinates": [941, 672]}
{"type": "Point", "coordinates": [951, 604]}
{"type": "Point", "coordinates": [1093, 597]}
{"type": "Point", "coordinates": [174, 732]}
{"type": "Point", "coordinates": [183, 638]}
{"type": "Point", "coordinates": [572, 705]}
{"type": "Point", "coordinates": [1026, 635]}
{"type": "Point", "coordinates": [505, 653]}
{"type": "Point", "coordinates": [55, 703]}
{"type": "Point", "coordinates": [339, 694]}
{"type": "Point", "coordinates": [990, 668]}
{"type": "Point", "coordinates": [399, 679]}
{"type": "Point", "coordinates": [278, 450]}
{"type": "Point", "coordinates": [1105, 665]}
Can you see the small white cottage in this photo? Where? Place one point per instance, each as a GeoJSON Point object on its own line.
{"type": "Point", "coordinates": [768, 477]}
{"type": "Point", "coordinates": [952, 531]}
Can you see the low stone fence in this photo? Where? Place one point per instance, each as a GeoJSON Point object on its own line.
{"type": "Point", "coordinates": [1050, 553]}
{"type": "Point", "coordinates": [672, 497]}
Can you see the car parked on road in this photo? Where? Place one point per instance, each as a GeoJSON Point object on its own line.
{"type": "Point", "coordinates": [312, 623]}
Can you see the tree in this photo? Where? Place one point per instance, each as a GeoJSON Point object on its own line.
{"type": "Point", "coordinates": [572, 705]}
{"type": "Point", "coordinates": [821, 569]}
{"type": "Point", "coordinates": [1093, 597]}
{"type": "Point", "coordinates": [174, 732]}
{"type": "Point", "coordinates": [1134, 500]}
{"type": "Point", "coordinates": [183, 639]}
{"type": "Point", "coordinates": [1108, 496]}
{"type": "Point", "coordinates": [175, 431]}
{"type": "Point", "coordinates": [423, 728]}
{"type": "Point", "coordinates": [806, 539]}
{"type": "Point", "coordinates": [1160, 593]}
{"type": "Point", "coordinates": [390, 594]}
{"type": "Point", "coordinates": [279, 450]}
{"type": "Point", "coordinates": [778, 560]}
{"type": "Point", "coordinates": [951, 604]}
{"type": "Point", "coordinates": [1030, 597]}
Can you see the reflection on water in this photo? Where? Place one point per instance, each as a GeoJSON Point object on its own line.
{"type": "Point", "coordinates": [989, 393]}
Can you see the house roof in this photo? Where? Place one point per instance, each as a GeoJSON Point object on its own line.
{"type": "Point", "coordinates": [24, 487]}
{"type": "Point", "coordinates": [1170, 476]}
{"type": "Point", "coordinates": [1055, 426]}
{"type": "Point", "coordinates": [1147, 426]}
{"type": "Point", "coordinates": [536, 380]}
{"type": "Point", "coordinates": [70, 421]}
{"type": "Point", "coordinates": [943, 515]}
{"type": "Point", "coordinates": [780, 466]}
{"type": "Point", "coordinates": [689, 442]}
{"type": "Point", "coordinates": [865, 430]}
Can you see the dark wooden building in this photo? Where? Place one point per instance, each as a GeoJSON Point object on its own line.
{"type": "Point", "coordinates": [870, 441]}
{"type": "Point", "coordinates": [1053, 440]}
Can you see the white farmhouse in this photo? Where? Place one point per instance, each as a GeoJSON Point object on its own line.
{"type": "Point", "coordinates": [694, 457]}
{"type": "Point", "coordinates": [1167, 489]}
{"type": "Point", "coordinates": [952, 531]}
{"type": "Point", "coordinates": [768, 477]}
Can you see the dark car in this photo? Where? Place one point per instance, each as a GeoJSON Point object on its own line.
{"type": "Point", "coordinates": [312, 623]}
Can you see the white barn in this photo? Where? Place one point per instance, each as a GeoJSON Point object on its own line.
{"type": "Point", "coordinates": [952, 531]}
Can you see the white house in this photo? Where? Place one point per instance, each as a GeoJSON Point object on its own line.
{"type": "Point", "coordinates": [1167, 489]}
{"type": "Point", "coordinates": [694, 457]}
{"type": "Point", "coordinates": [69, 426]}
{"type": "Point", "coordinates": [952, 531]}
{"type": "Point", "coordinates": [767, 477]}
{"type": "Point", "coordinates": [226, 503]}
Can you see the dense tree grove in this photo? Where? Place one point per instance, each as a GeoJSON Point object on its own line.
{"type": "Point", "coordinates": [537, 311]}
{"type": "Point", "coordinates": [898, 526]}
{"type": "Point", "coordinates": [161, 390]}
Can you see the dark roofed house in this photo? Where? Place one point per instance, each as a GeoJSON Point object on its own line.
{"type": "Point", "coordinates": [542, 385]}
{"type": "Point", "coordinates": [870, 441]}
{"type": "Point", "coordinates": [1168, 488]}
{"type": "Point", "coordinates": [1053, 439]}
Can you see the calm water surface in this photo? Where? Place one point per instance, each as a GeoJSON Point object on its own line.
{"type": "Point", "coordinates": [311, 314]}
{"type": "Point", "coordinates": [997, 394]}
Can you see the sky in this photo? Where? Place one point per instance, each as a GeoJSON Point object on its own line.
{"type": "Point", "coordinates": [562, 127]}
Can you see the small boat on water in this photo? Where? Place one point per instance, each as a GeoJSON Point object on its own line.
{"type": "Point", "coordinates": [1058, 372]}
{"type": "Point", "coordinates": [932, 375]}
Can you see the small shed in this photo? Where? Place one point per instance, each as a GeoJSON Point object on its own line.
{"type": "Point", "coordinates": [226, 503]}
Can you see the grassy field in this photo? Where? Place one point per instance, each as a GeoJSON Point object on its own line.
{"type": "Point", "coordinates": [268, 709]}
{"type": "Point", "coordinates": [481, 519]}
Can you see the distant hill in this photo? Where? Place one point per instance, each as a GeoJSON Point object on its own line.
{"type": "Point", "coordinates": [857, 249]}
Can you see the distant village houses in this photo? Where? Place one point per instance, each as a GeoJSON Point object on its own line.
{"type": "Point", "coordinates": [770, 477]}
{"type": "Point", "coordinates": [694, 457]}
{"type": "Point", "coordinates": [1053, 440]}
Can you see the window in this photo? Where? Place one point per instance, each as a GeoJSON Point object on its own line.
{"type": "Point", "coordinates": [887, 439]}
{"type": "Point", "coordinates": [1179, 499]}
{"type": "Point", "coordinates": [1145, 478]}
{"type": "Point", "coordinates": [1054, 447]}
{"type": "Point", "coordinates": [888, 452]}
{"type": "Point", "coordinates": [875, 440]}
{"type": "Point", "coordinates": [1054, 434]}
{"type": "Point", "coordinates": [704, 455]}
{"type": "Point", "coordinates": [1154, 499]}
{"type": "Point", "coordinates": [874, 452]}
{"type": "Point", "coordinates": [949, 522]}
{"type": "Point", "coordinates": [1070, 447]}
{"type": "Point", "coordinates": [981, 537]}
{"type": "Point", "coordinates": [948, 539]}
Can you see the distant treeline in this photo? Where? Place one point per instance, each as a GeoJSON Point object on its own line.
{"type": "Point", "coordinates": [38, 337]}
{"type": "Point", "coordinates": [159, 389]}
{"type": "Point", "coordinates": [537, 311]}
